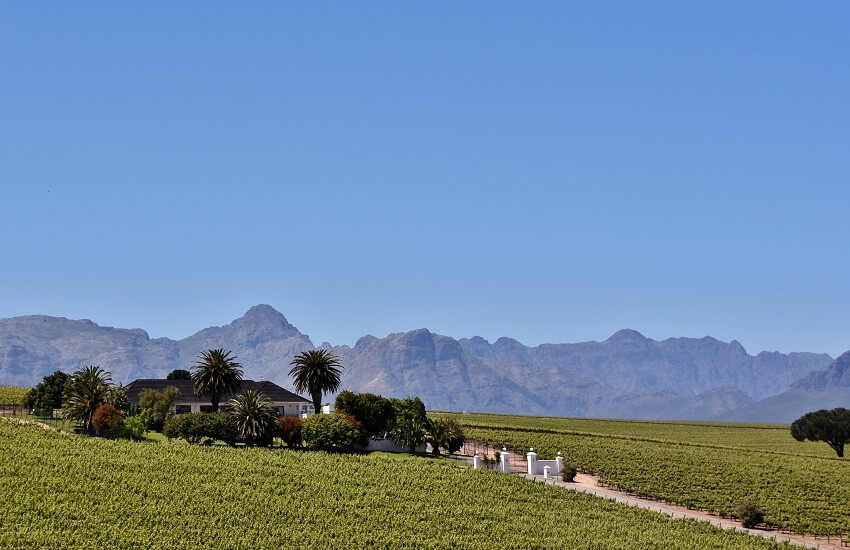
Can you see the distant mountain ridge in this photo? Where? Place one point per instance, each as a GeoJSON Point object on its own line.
{"type": "Point", "coordinates": [627, 375]}
{"type": "Point", "coordinates": [825, 389]}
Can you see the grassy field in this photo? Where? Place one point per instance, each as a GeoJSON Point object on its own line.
{"type": "Point", "coordinates": [801, 486]}
{"type": "Point", "coordinates": [65, 491]}
{"type": "Point", "coordinates": [12, 395]}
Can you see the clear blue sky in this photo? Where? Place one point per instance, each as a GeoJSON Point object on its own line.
{"type": "Point", "coordinates": [551, 172]}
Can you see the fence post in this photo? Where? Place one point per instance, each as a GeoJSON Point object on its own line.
{"type": "Point", "coordinates": [476, 461]}
{"type": "Point", "coordinates": [532, 462]}
{"type": "Point", "coordinates": [546, 470]}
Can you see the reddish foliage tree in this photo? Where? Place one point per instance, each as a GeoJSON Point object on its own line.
{"type": "Point", "coordinates": [107, 418]}
{"type": "Point", "coordinates": [289, 428]}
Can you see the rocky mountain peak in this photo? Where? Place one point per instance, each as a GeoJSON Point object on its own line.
{"type": "Point", "coordinates": [626, 335]}
{"type": "Point", "coordinates": [265, 320]}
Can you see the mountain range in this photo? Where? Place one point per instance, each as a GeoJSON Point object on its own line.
{"type": "Point", "coordinates": [625, 376]}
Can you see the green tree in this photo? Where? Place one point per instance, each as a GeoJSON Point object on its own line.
{"type": "Point", "coordinates": [410, 406]}
{"type": "Point", "coordinates": [47, 394]}
{"type": "Point", "coordinates": [156, 406]}
{"type": "Point", "coordinates": [87, 390]}
{"type": "Point", "coordinates": [179, 374]}
{"type": "Point", "coordinates": [254, 416]}
{"type": "Point", "coordinates": [216, 374]}
{"type": "Point", "coordinates": [829, 426]}
{"type": "Point", "coordinates": [117, 397]}
{"type": "Point", "coordinates": [316, 372]}
{"type": "Point", "coordinates": [374, 412]}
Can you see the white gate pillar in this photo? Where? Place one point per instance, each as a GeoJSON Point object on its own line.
{"type": "Point", "coordinates": [476, 462]}
{"type": "Point", "coordinates": [532, 462]}
{"type": "Point", "coordinates": [559, 464]}
{"type": "Point", "coordinates": [506, 461]}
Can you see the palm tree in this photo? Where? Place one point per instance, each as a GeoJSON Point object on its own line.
{"type": "Point", "coordinates": [315, 372]}
{"type": "Point", "coordinates": [437, 434]}
{"type": "Point", "coordinates": [88, 389]}
{"type": "Point", "coordinates": [216, 374]}
{"type": "Point", "coordinates": [410, 432]}
{"type": "Point", "coordinates": [254, 416]}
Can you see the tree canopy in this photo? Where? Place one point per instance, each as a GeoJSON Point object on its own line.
{"type": "Point", "coordinates": [179, 374]}
{"type": "Point", "coordinates": [830, 426]}
{"type": "Point", "coordinates": [316, 372]}
{"type": "Point", "coordinates": [47, 394]}
{"type": "Point", "coordinates": [375, 413]}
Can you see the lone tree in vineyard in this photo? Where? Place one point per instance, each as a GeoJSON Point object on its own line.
{"type": "Point", "coordinates": [216, 374]}
{"type": "Point", "coordinates": [829, 426]}
{"type": "Point", "coordinates": [315, 372]}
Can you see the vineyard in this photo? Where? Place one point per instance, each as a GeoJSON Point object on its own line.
{"type": "Point", "coordinates": [801, 487]}
{"type": "Point", "coordinates": [12, 395]}
{"type": "Point", "coordinates": [63, 491]}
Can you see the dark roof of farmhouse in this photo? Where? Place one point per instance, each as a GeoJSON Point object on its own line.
{"type": "Point", "coordinates": [187, 393]}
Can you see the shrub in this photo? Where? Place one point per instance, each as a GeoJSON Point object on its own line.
{"type": "Point", "coordinates": [569, 474]}
{"type": "Point", "coordinates": [364, 435]}
{"type": "Point", "coordinates": [196, 427]}
{"type": "Point", "coordinates": [329, 432]}
{"type": "Point", "coordinates": [749, 514]}
{"type": "Point", "coordinates": [133, 428]}
{"type": "Point", "coordinates": [289, 429]}
{"type": "Point", "coordinates": [107, 418]}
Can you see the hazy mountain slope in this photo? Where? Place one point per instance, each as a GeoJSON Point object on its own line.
{"type": "Point", "coordinates": [626, 375]}
{"type": "Point", "coordinates": [824, 389]}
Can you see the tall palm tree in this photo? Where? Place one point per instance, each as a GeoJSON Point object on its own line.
{"type": "Point", "coordinates": [254, 416]}
{"type": "Point", "coordinates": [216, 374]}
{"type": "Point", "coordinates": [88, 389]}
{"type": "Point", "coordinates": [315, 372]}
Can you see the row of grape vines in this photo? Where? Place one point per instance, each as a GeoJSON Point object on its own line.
{"type": "Point", "coordinates": [764, 437]}
{"type": "Point", "coordinates": [12, 395]}
{"type": "Point", "coordinates": [63, 491]}
{"type": "Point", "coordinates": [800, 493]}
